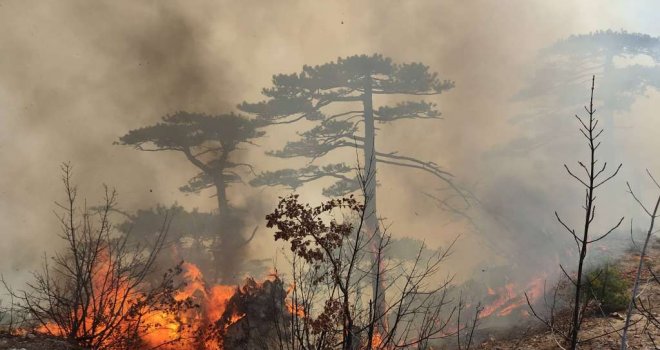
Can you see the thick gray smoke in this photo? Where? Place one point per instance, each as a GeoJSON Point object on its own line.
{"type": "Point", "coordinates": [75, 75]}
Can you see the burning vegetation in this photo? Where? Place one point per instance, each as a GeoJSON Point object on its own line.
{"type": "Point", "coordinates": [347, 285]}
{"type": "Point", "coordinates": [104, 291]}
{"type": "Point", "coordinates": [101, 292]}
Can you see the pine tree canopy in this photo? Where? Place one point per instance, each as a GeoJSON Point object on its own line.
{"type": "Point", "coordinates": [629, 63]}
{"type": "Point", "coordinates": [333, 96]}
{"type": "Point", "coordinates": [207, 141]}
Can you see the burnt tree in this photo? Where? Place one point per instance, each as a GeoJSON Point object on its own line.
{"type": "Point", "coordinates": [208, 142]}
{"type": "Point", "coordinates": [595, 178]}
{"type": "Point", "coordinates": [595, 175]}
{"type": "Point", "coordinates": [636, 299]}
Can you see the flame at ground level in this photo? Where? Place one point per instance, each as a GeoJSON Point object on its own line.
{"type": "Point", "coordinates": [203, 326]}
{"type": "Point", "coordinates": [511, 297]}
{"type": "Point", "coordinates": [183, 329]}
{"type": "Point", "coordinates": [164, 328]}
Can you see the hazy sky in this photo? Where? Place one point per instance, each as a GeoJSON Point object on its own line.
{"type": "Point", "coordinates": [76, 75]}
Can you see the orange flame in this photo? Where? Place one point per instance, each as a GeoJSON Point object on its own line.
{"type": "Point", "coordinates": [511, 297]}
{"type": "Point", "coordinates": [212, 300]}
{"type": "Point", "coordinates": [295, 309]}
{"type": "Point", "coordinates": [165, 329]}
{"type": "Point", "coordinates": [376, 340]}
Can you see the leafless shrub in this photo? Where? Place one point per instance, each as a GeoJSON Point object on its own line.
{"type": "Point", "coordinates": [645, 303]}
{"type": "Point", "coordinates": [335, 262]}
{"type": "Point", "coordinates": [596, 176]}
{"type": "Point", "coordinates": [94, 293]}
{"type": "Point", "coordinates": [648, 304]}
{"type": "Point", "coordinates": [12, 316]}
{"type": "Point", "coordinates": [465, 331]}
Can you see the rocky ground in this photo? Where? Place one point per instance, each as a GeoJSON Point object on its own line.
{"type": "Point", "coordinates": [32, 342]}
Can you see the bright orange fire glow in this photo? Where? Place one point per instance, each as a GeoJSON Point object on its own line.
{"type": "Point", "coordinates": [172, 330]}
{"type": "Point", "coordinates": [163, 328]}
{"type": "Point", "coordinates": [212, 301]}
{"type": "Point", "coordinates": [376, 340]}
{"type": "Point", "coordinates": [511, 297]}
{"type": "Point", "coordinates": [295, 309]}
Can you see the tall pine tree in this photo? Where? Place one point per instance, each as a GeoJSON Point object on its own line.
{"type": "Point", "coordinates": [339, 98]}
{"type": "Point", "coordinates": [207, 141]}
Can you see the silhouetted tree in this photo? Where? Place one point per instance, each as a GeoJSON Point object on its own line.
{"type": "Point", "coordinates": [207, 141]}
{"type": "Point", "coordinates": [192, 225]}
{"type": "Point", "coordinates": [629, 64]}
{"type": "Point", "coordinates": [191, 235]}
{"type": "Point", "coordinates": [567, 62]}
{"type": "Point", "coordinates": [338, 98]}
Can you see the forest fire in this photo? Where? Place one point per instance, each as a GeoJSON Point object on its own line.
{"type": "Point", "coordinates": [418, 182]}
{"type": "Point", "coordinates": [183, 330]}
{"type": "Point", "coordinates": [199, 326]}
{"type": "Point", "coordinates": [511, 297]}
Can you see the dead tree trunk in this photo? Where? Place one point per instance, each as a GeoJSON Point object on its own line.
{"type": "Point", "coordinates": [642, 254]}
{"type": "Point", "coordinates": [591, 132]}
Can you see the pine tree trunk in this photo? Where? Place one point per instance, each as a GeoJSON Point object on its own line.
{"type": "Point", "coordinates": [371, 218]}
{"type": "Point", "coordinates": [223, 255]}
{"type": "Point", "coordinates": [221, 196]}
